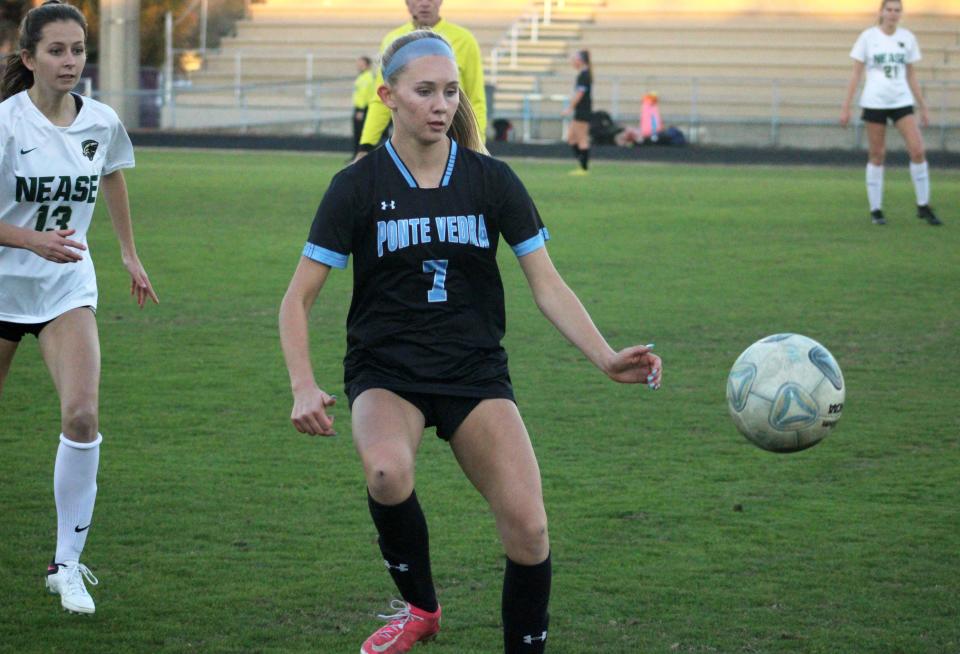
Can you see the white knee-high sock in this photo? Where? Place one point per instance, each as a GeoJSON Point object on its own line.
{"type": "Point", "coordinates": [920, 174]}
{"type": "Point", "coordinates": [875, 186]}
{"type": "Point", "coordinates": [75, 491]}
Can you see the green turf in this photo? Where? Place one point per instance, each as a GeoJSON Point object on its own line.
{"type": "Point", "coordinates": [218, 528]}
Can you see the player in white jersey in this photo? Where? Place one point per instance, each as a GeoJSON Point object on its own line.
{"type": "Point", "coordinates": [58, 152]}
{"type": "Point", "coordinates": [887, 52]}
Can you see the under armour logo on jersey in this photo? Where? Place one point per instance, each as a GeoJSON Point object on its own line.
{"type": "Point", "coordinates": [901, 44]}
{"type": "Point", "coordinates": [401, 567]}
{"type": "Point", "coordinates": [384, 205]}
{"type": "Point", "coordinates": [528, 640]}
{"type": "Point", "coordinates": [89, 148]}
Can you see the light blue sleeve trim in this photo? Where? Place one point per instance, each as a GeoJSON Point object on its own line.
{"type": "Point", "coordinates": [530, 245]}
{"type": "Point", "coordinates": [325, 256]}
{"type": "Point", "coordinates": [580, 88]}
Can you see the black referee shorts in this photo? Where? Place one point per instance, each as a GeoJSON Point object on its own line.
{"type": "Point", "coordinates": [15, 331]}
{"type": "Point", "coordinates": [445, 412]}
{"type": "Point", "coordinates": [881, 116]}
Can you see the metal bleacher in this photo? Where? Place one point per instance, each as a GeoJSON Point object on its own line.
{"type": "Point", "coordinates": [754, 76]}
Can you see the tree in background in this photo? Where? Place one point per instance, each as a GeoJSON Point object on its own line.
{"type": "Point", "coordinates": [10, 13]}
{"type": "Point", "coordinates": [222, 16]}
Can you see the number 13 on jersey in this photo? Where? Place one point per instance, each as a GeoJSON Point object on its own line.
{"type": "Point", "coordinates": [61, 217]}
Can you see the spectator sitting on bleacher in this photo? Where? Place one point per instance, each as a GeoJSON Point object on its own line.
{"type": "Point", "coordinates": [651, 129]}
{"type": "Point", "coordinates": [425, 14]}
{"type": "Point", "coordinates": [650, 123]}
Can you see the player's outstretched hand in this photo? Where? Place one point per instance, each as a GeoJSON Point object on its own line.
{"type": "Point", "coordinates": [309, 413]}
{"type": "Point", "coordinates": [636, 365]}
{"type": "Point", "coordinates": [140, 286]}
{"type": "Point", "coordinates": [56, 247]}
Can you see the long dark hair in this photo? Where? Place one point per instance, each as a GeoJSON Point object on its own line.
{"type": "Point", "coordinates": [585, 58]}
{"type": "Point", "coordinates": [16, 76]}
{"type": "Point", "coordinates": [464, 128]}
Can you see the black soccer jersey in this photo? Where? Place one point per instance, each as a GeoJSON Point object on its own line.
{"type": "Point", "coordinates": [584, 108]}
{"type": "Point", "coordinates": [427, 312]}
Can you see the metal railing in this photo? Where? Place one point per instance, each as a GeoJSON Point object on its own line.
{"type": "Point", "coordinates": [321, 104]}
{"type": "Point", "coordinates": [535, 18]}
{"type": "Point", "coordinates": [700, 97]}
{"type": "Point", "coordinates": [768, 108]}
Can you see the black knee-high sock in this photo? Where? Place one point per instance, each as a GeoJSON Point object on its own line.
{"type": "Point", "coordinates": [526, 593]}
{"type": "Point", "coordinates": [405, 545]}
{"type": "Point", "coordinates": [584, 157]}
{"type": "Point", "coordinates": [576, 151]}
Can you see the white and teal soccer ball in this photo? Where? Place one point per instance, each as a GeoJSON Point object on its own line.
{"type": "Point", "coordinates": [785, 393]}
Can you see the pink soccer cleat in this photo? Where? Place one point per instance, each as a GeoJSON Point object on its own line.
{"type": "Point", "coordinates": [405, 628]}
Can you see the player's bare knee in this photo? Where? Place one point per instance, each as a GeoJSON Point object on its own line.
{"type": "Point", "coordinates": [389, 482]}
{"type": "Point", "coordinates": [527, 541]}
{"type": "Point", "coordinates": [80, 423]}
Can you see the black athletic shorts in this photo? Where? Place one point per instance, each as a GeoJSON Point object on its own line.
{"type": "Point", "coordinates": [883, 115]}
{"type": "Point", "coordinates": [14, 331]}
{"type": "Point", "coordinates": [445, 412]}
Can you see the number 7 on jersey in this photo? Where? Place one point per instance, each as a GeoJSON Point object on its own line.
{"type": "Point", "coordinates": [439, 269]}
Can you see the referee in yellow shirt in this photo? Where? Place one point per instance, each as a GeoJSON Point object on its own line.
{"type": "Point", "coordinates": [425, 14]}
{"type": "Point", "coordinates": [363, 88]}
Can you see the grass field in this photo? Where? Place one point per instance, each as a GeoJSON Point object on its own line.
{"type": "Point", "coordinates": [218, 528]}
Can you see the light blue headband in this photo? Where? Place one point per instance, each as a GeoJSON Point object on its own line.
{"type": "Point", "coordinates": [414, 50]}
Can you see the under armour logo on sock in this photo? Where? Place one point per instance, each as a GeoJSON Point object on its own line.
{"type": "Point", "coordinates": [400, 567]}
{"type": "Point", "coordinates": [384, 204]}
{"type": "Point", "coordinates": [528, 640]}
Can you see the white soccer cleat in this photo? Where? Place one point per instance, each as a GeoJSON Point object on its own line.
{"type": "Point", "coordinates": [66, 580]}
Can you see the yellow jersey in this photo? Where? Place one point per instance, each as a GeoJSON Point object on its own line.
{"type": "Point", "coordinates": [363, 88]}
{"type": "Point", "coordinates": [469, 61]}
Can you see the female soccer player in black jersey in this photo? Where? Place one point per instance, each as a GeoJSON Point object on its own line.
{"type": "Point", "coordinates": [423, 217]}
{"type": "Point", "coordinates": [581, 106]}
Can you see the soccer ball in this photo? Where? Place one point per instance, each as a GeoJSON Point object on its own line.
{"type": "Point", "coordinates": [785, 393]}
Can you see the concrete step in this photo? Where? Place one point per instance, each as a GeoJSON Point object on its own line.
{"type": "Point", "coordinates": [771, 18]}
{"type": "Point", "coordinates": [284, 66]}
{"type": "Point", "coordinates": [458, 12]}
{"type": "Point", "coordinates": [550, 32]}
{"type": "Point", "coordinates": [653, 34]}
{"type": "Point", "coordinates": [522, 68]}
{"type": "Point", "coordinates": [278, 102]}
{"type": "Point", "coordinates": [345, 29]}
{"type": "Point", "coordinates": [529, 59]}
{"type": "Point", "coordinates": [539, 48]}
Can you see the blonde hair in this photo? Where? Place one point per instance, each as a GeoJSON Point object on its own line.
{"type": "Point", "coordinates": [464, 128]}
